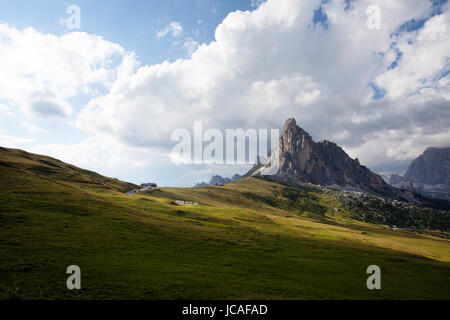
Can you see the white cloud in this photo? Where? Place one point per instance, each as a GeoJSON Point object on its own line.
{"type": "Point", "coordinates": [425, 55]}
{"type": "Point", "coordinates": [14, 142]}
{"type": "Point", "coordinates": [44, 70]}
{"type": "Point", "coordinates": [6, 110]}
{"type": "Point", "coordinates": [32, 128]}
{"type": "Point", "coordinates": [256, 3]}
{"type": "Point", "coordinates": [174, 28]}
{"type": "Point", "coordinates": [190, 45]}
{"type": "Point", "coordinates": [97, 152]}
{"type": "Point", "coordinates": [48, 105]}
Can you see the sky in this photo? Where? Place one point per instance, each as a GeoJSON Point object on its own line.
{"type": "Point", "coordinates": [106, 91]}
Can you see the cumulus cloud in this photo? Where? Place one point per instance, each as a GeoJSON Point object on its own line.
{"type": "Point", "coordinates": [174, 28]}
{"type": "Point", "coordinates": [6, 110]}
{"type": "Point", "coordinates": [256, 3]}
{"type": "Point", "coordinates": [41, 71]}
{"type": "Point", "coordinates": [190, 45]}
{"type": "Point", "coordinates": [14, 142]}
{"type": "Point", "coordinates": [32, 128]}
{"type": "Point", "coordinates": [48, 105]}
{"type": "Point", "coordinates": [425, 57]}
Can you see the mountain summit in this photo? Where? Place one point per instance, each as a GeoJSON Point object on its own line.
{"type": "Point", "coordinates": [428, 174]}
{"type": "Point", "coordinates": [302, 160]}
{"type": "Point", "coordinates": [432, 167]}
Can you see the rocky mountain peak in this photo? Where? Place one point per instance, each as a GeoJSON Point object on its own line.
{"type": "Point", "coordinates": [302, 160]}
{"type": "Point", "coordinates": [289, 124]}
{"type": "Point", "coordinates": [294, 134]}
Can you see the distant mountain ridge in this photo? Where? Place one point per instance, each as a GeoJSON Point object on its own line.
{"type": "Point", "coordinates": [219, 180]}
{"type": "Point", "coordinates": [428, 174]}
{"type": "Point", "coordinates": [302, 160]}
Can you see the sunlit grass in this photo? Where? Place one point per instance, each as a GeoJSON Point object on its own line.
{"type": "Point", "coordinates": [249, 239]}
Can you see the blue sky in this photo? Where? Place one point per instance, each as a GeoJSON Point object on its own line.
{"type": "Point", "coordinates": [133, 24]}
{"type": "Point", "coordinates": [108, 96]}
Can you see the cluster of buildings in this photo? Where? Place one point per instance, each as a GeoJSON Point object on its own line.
{"type": "Point", "coordinates": [186, 202]}
{"type": "Point", "coordinates": [147, 186]}
{"type": "Point", "coordinates": [144, 187]}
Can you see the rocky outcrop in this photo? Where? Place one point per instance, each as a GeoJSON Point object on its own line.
{"type": "Point", "coordinates": [302, 160]}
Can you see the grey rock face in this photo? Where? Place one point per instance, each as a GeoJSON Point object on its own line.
{"type": "Point", "coordinates": [431, 167]}
{"type": "Point", "coordinates": [219, 180]}
{"type": "Point", "coordinates": [395, 179]}
{"type": "Point", "coordinates": [236, 177]}
{"type": "Point", "coordinates": [428, 174]}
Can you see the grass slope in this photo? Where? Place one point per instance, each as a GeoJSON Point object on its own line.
{"type": "Point", "coordinates": [249, 239]}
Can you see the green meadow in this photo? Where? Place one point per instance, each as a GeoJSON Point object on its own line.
{"type": "Point", "coordinates": [251, 239]}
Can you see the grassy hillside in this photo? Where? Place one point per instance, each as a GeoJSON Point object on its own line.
{"type": "Point", "coordinates": [249, 239]}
